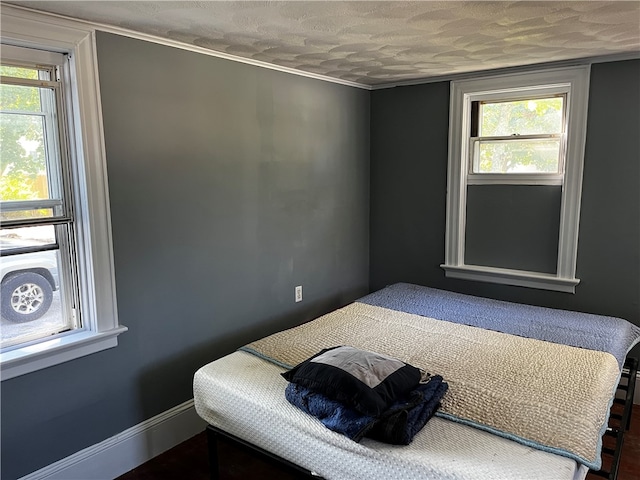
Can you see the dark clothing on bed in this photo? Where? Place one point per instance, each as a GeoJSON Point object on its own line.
{"type": "Point", "coordinates": [397, 425]}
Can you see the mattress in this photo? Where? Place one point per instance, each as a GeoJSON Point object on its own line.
{"type": "Point", "coordinates": [244, 395]}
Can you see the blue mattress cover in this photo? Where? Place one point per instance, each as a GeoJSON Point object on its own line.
{"type": "Point", "coordinates": [594, 332]}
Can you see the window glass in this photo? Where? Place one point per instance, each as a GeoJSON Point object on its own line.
{"type": "Point", "coordinates": [516, 137]}
{"type": "Point", "coordinates": [32, 306]}
{"type": "Point", "coordinates": [517, 156]}
{"type": "Point", "coordinates": [28, 139]}
{"type": "Point", "coordinates": [19, 72]}
{"type": "Point", "coordinates": [12, 239]}
{"type": "Point", "coordinates": [20, 214]}
{"type": "Point", "coordinates": [28, 294]}
{"type": "Point", "coordinates": [523, 117]}
{"type": "Point", "coordinates": [19, 98]}
{"type": "Point", "coordinates": [37, 286]}
{"type": "Point", "coordinates": [24, 167]}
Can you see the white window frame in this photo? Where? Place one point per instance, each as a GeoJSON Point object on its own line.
{"type": "Point", "coordinates": [100, 328]}
{"type": "Point", "coordinates": [574, 81]}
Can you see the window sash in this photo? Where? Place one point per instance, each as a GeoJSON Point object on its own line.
{"type": "Point", "coordinates": [515, 138]}
{"type": "Point", "coordinates": [474, 156]}
{"type": "Point", "coordinates": [28, 82]}
{"type": "Point", "coordinates": [480, 104]}
{"type": "Point", "coordinates": [54, 144]}
{"type": "Point", "coordinates": [473, 106]}
{"type": "Point", "coordinates": [58, 178]}
{"type": "Point", "coordinates": [20, 205]}
{"type": "Point", "coordinates": [69, 321]}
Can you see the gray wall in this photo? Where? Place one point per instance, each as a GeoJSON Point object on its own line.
{"type": "Point", "coordinates": [229, 185]}
{"type": "Point", "coordinates": [513, 226]}
{"type": "Point", "coordinates": [408, 196]}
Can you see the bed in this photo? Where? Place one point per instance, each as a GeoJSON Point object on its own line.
{"type": "Point", "coordinates": [530, 389]}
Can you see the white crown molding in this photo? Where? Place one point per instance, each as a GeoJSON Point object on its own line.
{"type": "Point", "coordinates": [185, 46]}
{"type": "Point", "coordinates": [127, 450]}
{"type": "Point", "coordinates": [226, 56]}
{"type": "Point", "coordinates": [574, 62]}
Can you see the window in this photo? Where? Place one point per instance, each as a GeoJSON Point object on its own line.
{"type": "Point", "coordinates": [517, 136]}
{"type": "Point", "coordinates": [516, 147]}
{"type": "Point", "coordinates": [58, 295]}
{"type": "Point", "coordinates": [36, 215]}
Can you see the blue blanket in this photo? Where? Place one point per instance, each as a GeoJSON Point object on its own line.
{"type": "Point", "coordinates": [398, 425]}
{"type": "Point", "coordinates": [594, 332]}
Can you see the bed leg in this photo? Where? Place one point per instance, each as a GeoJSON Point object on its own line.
{"type": "Point", "coordinates": [631, 387]}
{"type": "Point", "coordinates": [212, 447]}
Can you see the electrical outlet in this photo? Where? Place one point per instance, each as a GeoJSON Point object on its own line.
{"type": "Point", "coordinates": [299, 293]}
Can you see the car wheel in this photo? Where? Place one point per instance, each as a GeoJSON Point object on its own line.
{"type": "Point", "coordinates": [25, 297]}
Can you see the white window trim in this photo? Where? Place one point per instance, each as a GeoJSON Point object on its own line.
{"type": "Point", "coordinates": [31, 29]}
{"type": "Point", "coordinates": [461, 94]}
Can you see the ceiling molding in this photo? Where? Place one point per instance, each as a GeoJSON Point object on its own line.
{"type": "Point", "coordinates": [181, 45]}
{"type": "Point", "coordinates": [226, 56]}
{"type": "Point", "coordinates": [617, 57]}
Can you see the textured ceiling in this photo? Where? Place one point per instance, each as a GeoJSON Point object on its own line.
{"type": "Point", "coordinates": [379, 42]}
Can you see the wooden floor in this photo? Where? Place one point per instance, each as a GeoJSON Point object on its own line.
{"type": "Point", "coordinates": [188, 461]}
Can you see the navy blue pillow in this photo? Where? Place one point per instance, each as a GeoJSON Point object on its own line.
{"type": "Point", "coordinates": [365, 381]}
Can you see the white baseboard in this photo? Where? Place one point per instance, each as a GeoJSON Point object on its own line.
{"type": "Point", "coordinates": [127, 450]}
{"type": "Point", "coordinates": [138, 444]}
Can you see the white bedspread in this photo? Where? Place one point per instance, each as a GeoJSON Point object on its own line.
{"type": "Point", "coordinates": [244, 396]}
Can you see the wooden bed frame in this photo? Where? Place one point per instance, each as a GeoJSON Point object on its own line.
{"type": "Point", "coordinates": [618, 424]}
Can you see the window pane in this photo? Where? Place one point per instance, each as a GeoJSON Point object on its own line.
{"type": "Point", "coordinates": [524, 117]}
{"type": "Point", "coordinates": [517, 156]}
{"type": "Point", "coordinates": [29, 164]}
{"type": "Point", "coordinates": [23, 163]}
{"type": "Point", "coordinates": [20, 98]}
{"type": "Point", "coordinates": [39, 236]}
{"type": "Point", "coordinates": [27, 214]}
{"type": "Point", "coordinates": [30, 288]}
{"type": "Point", "coordinates": [19, 72]}
{"type": "Point", "coordinates": [31, 305]}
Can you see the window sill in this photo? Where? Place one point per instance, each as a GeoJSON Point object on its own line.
{"type": "Point", "coordinates": [27, 359]}
{"type": "Point", "coordinates": [504, 276]}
